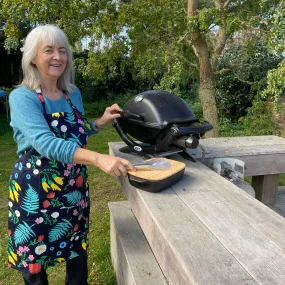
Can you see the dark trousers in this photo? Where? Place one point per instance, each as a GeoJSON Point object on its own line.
{"type": "Point", "coordinates": [76, 273]}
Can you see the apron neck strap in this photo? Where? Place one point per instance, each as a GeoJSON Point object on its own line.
{"type": "Point", "coordinates": [41, 98]}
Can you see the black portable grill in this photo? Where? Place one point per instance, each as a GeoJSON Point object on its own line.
{"type": "Point", "coordinates": [162, 122]}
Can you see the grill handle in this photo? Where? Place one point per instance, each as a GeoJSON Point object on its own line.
{"type": "Point", "coordinates": [199, 129]}
{"type": "Point", "coordinates": [127, 114]}
{"type": "Point", "coordinates": [136, 146]}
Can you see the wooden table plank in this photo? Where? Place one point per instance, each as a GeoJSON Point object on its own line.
{"type": "Point", "coordinates": [264, 158]}
{"type": "Point", "coordinates": [262, 154]}
{"type": "Point", "coordinates": [180, 241]}
{"type": "Point", "coordinates": [254, 251]}
{"type": "Point", "coordinates": [264, 142]}
{"type": "Point", "coordinates": [259, 216]}
{"type": "Point", "coordinates": [216, 210]}
{"type": "Point", "coordinates": [256, 164]}
{"type": "Point", "coordinates": [249, 209]}
{"type": "Point", "coordinates": [186, 250]}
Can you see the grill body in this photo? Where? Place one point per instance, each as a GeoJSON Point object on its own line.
{"type": "Point", "coordinates": [158, 119]}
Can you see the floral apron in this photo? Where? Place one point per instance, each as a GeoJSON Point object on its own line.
{"type": "Point", "coordinates": [49, 201]}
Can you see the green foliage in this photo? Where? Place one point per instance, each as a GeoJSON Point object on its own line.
{"type": "Point", "coordinates": [259, 120]}
{"type": "Point", "coordinates": [276, 40]}
{"type": "Point", "coordinates": [191, 97]}
{"type": "Point", "coordinates": [102, 67]}
{"type": "Point", "coordinates": [275, 84]}
{"type": "Point", "coordinates": [228, 128]}
{"type": "Point", "coordinates": [243, 68]}
{"type": "Point", "coordinates": [19, 16]}
{"type": "Point", "coordinates": [158, 46]}
{"type": "Point", "coordinates": [97, 108]}
{"type": "Point", "coordinates": [276, 25]}
{"type": "Point", "coordinates": [146, 44]}
{"type": "Point", "coordinates": [108, 80]}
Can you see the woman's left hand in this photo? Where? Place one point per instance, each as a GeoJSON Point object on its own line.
{"type": "Point", "coordinates": [109, 115]}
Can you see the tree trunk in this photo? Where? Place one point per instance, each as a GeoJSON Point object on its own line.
{"type": "Point", "coordinates": [207, 91]}
{"type": "Point", "coordinates": [207, 78]}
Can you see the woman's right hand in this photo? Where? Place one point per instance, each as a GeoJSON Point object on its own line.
{"type": "Point", "coordinates": [114, 166]}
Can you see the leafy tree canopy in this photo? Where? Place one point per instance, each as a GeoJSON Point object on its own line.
{"type": "Point", "coordinates": [155, 34]}
{"type": "Point", "coordinates": [163, 42]}
{"type": "Point", "coordinates": [242, 72]}
{"type": "Point", "coordinates": [276, 40]}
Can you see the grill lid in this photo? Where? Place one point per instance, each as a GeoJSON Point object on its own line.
{"type": "Point", "coordinates": [157, 109]}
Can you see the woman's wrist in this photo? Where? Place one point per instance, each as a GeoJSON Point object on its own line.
{"type": "Point", "coordinates": [97, 125]}
{"type": "Point", "coordinates": [95, 159]}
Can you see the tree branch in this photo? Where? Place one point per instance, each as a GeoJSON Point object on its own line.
{"type": "Point", "coordinates": [220, 41]}
{"type": "Point", "coordinates": [195, 65]}
{"type": "Point", "coordinates": [187, 33]}
{"type": "Point", "coordinates": [198, 43]}
{"type": "Point", "coordinates": [227, 4]}
{"type": "Point", "coordinates": [238, 78]}
{"type": "Point", "coordinates": [222, 3]}
{"type": "Point", "coordinates": [152, 41]}
{"type": "Point", "coordinates": [245, 81]}
{"type": "Point", "coordinates": [192, 7]}
{"type": "Point", "coordinates": [236, 7]}
{"type": "Point", "coordinates": [219, 45]}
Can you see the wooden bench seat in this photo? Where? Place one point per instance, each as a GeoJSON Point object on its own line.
{"type": "Point", "coordinates": [205, 230]}
{"type": "Point", "coordinates": [132, 257]}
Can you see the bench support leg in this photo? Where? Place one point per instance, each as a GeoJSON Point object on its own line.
{"type": "Point", "coordinates": [266, 187]}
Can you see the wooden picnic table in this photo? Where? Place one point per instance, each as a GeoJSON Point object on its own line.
{"type": "Point", "coordinates": [264, 158]}
{"type": "Point", "coordinates": [205, 230]}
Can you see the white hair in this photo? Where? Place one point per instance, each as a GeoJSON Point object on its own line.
{"type": "Point", "coordinates": [51, 35]}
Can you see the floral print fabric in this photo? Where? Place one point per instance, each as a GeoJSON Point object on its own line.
{"type": "Point", "coordinates": [49, 201]}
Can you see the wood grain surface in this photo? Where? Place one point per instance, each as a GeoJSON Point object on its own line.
{"type": "Point", "coordinates": [147, 173]}
{"type": "Point", "coordinates": [205, 230]}
{"type": "Point", "coordinates": [132, 257]}
{"type": "Point", "coordinates": [262, 154]}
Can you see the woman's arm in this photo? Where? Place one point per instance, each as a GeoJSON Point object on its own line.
{"type": "Point", "coordinates": [28, 119]}
{"type": "Point", "coordinates": [114, 166]}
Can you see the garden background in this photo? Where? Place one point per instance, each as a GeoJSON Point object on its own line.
{"type": "Point", "coordinates": [225, 58]}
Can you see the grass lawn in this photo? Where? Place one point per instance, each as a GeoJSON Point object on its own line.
{"type": "Point", "coordinates": [103, 189]}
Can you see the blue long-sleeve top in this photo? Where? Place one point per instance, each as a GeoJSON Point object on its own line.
{"type": "Point", "coordinates": [31, 129]}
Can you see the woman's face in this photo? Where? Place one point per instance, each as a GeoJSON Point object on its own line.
{"type": "Point", "coordinates": [50, 60]}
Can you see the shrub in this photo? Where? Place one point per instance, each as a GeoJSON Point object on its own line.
{"type": "Point", "coordinates": [96, 109]}
{"type": "Point", "coordinates": [243, 69]}
{"type": "Point", "coordinates": [259, 120]}
{"type": "Point", "coordinates": [191, 97]}
{"type": "Point", "coordinates": [228, 128]}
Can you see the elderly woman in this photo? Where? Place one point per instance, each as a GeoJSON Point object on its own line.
{"type": "Point", "coordinates": [48, 188]}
